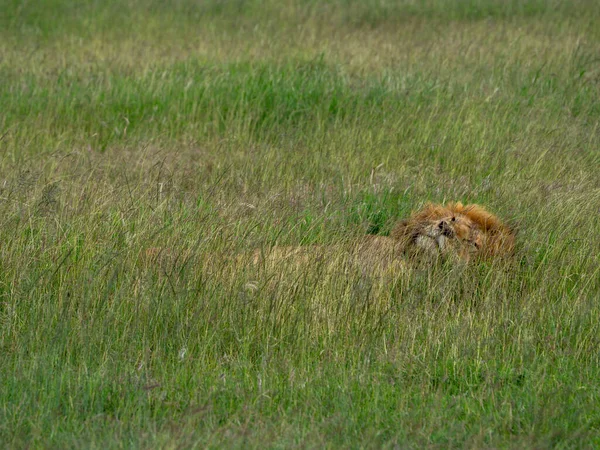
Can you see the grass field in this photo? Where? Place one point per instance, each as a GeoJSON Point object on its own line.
{"type": "Point", "coordinates": [213, 128]}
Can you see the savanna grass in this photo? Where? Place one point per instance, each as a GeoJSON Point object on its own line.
{"type": "Point", "coordinates": [215, 128]}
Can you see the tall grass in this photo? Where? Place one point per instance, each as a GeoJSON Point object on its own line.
{"type": "Point", "coordinates": [216, 128]}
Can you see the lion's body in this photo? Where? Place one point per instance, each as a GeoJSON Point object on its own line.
{"type": "Point", "coordinates": [371, 253]}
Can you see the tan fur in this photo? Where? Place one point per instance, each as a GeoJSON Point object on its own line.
{"type": "Point", "coordinates": [370, 253]}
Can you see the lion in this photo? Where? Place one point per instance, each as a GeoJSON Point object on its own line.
{"type": "Point", "coordinates": [452, 231]}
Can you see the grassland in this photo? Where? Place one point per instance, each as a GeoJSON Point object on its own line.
{"type": "Point", "coordinates": [218, 127]}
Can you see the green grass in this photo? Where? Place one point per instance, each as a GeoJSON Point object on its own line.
{"type": "Point", "coordinates": [215, 128]}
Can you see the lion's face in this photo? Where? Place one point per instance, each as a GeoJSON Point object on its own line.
{"type": "Point", "coordinates": [450, 234]}
{"type": "Point", "coordinates": [454, 230]}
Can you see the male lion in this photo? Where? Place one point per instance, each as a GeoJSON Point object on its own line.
{"type": "Point", "coordinates": [456, 231]}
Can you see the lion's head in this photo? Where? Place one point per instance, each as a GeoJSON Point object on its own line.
{"type": "Point", "coordinates": [455, 229]}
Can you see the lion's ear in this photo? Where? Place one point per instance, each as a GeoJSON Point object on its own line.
{"type": "Point", "coordinates": [456, 207]}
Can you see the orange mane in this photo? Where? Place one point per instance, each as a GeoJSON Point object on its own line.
{"type": "Point", "coordinates": [499, 239]}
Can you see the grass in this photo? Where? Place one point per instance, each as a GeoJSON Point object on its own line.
{"type": "Point", "coordinates": [215, 128]}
